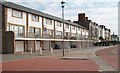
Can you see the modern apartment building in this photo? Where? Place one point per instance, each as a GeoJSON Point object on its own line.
{"type": "Point", "coordinates": [24, 29]}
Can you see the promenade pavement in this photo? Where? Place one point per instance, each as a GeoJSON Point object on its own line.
{"type": "Point", "coordinates": [74, 60]}
{"type": "Point", "coordinates": [90, 54]}
{"type": "Point", "coordinates": [35, 62]}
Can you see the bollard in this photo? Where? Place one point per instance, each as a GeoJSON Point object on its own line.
{"type": "Point", "coordinates": [80, 47]}
{"type": "Point", "coordinates": [40, 50]}
{"type": "Point", "coordinates": [31, 51]}
{"type": "Point", "coordinates": [51, 50]}
{"type": "Point", "coordinates": [68, 49]}
{"type": "Point", "coordinates": [22, 50]}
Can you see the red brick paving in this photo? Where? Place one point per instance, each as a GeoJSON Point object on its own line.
{"type": "Point", "coordinates": [109, 56]}
{"type": "Point", "coordinates": [0, 67]}
{"type": "Point", "coordinates": [50, 64]}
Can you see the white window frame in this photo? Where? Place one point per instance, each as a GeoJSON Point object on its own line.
{"type": "Point", "coordinates": [17, 14]}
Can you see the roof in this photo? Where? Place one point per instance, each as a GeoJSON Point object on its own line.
{"type": "Point", "coordinates": [32, 11]}
{"type": "Point", "coordinates": [85, 24]}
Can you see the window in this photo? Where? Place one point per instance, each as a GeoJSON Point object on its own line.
{"type": "Point", "coordinates": [49, 32]}
{"type": "Point", "coordinates": [16, 13]}
{"type": "Point", "coordinates": [18, 30]}
{"type": "Point", "coordinates": [79, 29]}
{"type": "Point", "coordinates": [34, 32]}
{"type": "Point", "coordinates": [73, 34]}
{"type": "Point", "coordinates": [37, 32]}
{"type": "Point", "coordinates": [35, 18]}
{"type": "Point", "coordinates": [58, 24]}
{"type": "Point", "coordinates": [12, 27]}
{"type": "Point", "coordinates": [48, 21]}
{"type": "Point", "coordinates": [58, 33]}
{"type": "Point", "coordinates": [67, 26]}
{"type": "Point", "coordinates": [73, 27]}
{"type": "Point", "coordinates": [66, 34]}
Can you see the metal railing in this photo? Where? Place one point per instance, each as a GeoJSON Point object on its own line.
{"type": "Point", "coordinates": [33, 35]}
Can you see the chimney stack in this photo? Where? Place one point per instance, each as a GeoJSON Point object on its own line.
{"type": "Point", "coordinates": [81, 17]}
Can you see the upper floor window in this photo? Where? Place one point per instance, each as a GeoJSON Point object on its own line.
{"type": "Point", "coordinates": [18, 30]}
{"type": "Point", "coordinates": [73, 34]}
{"type": "Point", "coordinates": [58, 24]}
{"type": "Point", "coordinates": [48, 21]}
{"type": "Point", "coordinates": [50, 32]}
{"type": "Point", "coordinates": [35, 18]}
{"type": "Point", "coordinates": [73, 27]}
{"type": "Point", "coordinates": [66, 34]}
{"type": "Point", "coordinates": [34, 32]}
{"type": "Point", "coordinates": [79, 29]}
{"type": "Point", "coordinates": [17, 14]}
{"type": "Point", "coordinates": [67, 26]}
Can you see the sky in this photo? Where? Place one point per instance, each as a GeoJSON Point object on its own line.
{"type": "Point", "coordinates": [103, 12]}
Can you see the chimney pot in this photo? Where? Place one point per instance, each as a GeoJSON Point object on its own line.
{"type": "Point", "coordinates": [86, 18]}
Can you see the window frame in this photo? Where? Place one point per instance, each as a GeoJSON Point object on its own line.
{"type": "Point", "coordinates": [18, 26]}
{"type": "Point", "coordinates": [67, 26]}
{"type": "Point", "coordinates": [17, 16]}
{"type": "Point", "coordinates": [33, 19]}
{"type": "Point", "coordinates": [73, 27]}
{"type": "Point", "coordinates": [50, 21]}
{"type": "Point", "coordinates": [58, 24]}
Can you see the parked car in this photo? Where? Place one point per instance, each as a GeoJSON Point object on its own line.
{"type": "Point", "coordinates": [57, 46]}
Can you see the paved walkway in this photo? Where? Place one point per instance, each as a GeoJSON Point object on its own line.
{"type": "Point", "coordinates": [83, 55]}
{"type": "Point", "coordinates": [90, 54]}
{"type": "Point", "coordinates": [46, 53]}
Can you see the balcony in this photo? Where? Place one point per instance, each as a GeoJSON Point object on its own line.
{"type": "Point", "coordinates": [33, 35]}
{"type": "Point", "coordinates": [66, 37]}
{"type": "Point", "coordinates": [46, 36]}
{"type": "Point", "coordinates": [58, 37]}
{"type": "Point", "coordinates": [73, 38]}
{"type": "Point", "coordinates": [19, 35]}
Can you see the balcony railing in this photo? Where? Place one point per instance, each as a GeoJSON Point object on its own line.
{"type": "Point", "coordinates": [19, 35]}
{"type": "Point", "coordinates": [33, 35]}
{"type": "Point", "coordinates": [58, 37]}
{"type": "Point", "coordinates": [73, 38]}
{"type": "Point", "coordinates": [66, 37]}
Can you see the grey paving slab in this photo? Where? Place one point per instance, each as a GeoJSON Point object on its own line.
{"type": "Point", "coordinates": [85, 54]}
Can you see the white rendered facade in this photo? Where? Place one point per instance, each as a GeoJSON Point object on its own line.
{"type": "Point", "coordinates": [33, 31]}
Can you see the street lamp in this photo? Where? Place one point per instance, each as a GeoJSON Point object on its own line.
{"type": "Point", "coordinates": [62, 5]}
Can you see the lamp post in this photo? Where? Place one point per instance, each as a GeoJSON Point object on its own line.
{"type": "Point", "coordinates": [62, 5]}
